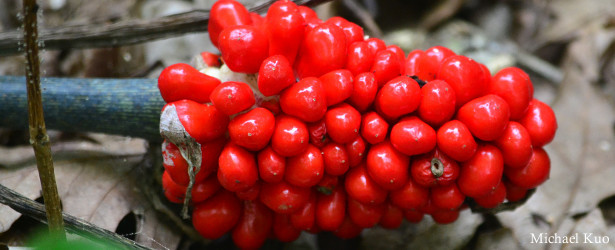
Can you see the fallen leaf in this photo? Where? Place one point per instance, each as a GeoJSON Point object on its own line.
{"type": "Point", "coordinates": [94, 184]}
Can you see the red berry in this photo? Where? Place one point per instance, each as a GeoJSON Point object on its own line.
{"type": "Point", "coordinates": [437, 103]}
{"type": "Point", "coordinates": [172, 191]}
{"type": "Point", "coordinates": [283, 229]}
{"type": "Point", "coordinates": [447, 197]}
{"type": "Point", "coordinates": [535, 173]}
{"type": "Point", "coordinates": [513, 85]}
{"type": "Point", "coordinates": [284, 198]}
{"type": "Point", "coordinates": [428, 64]}
{"type": "Point", "coordinates": [386, 66]}
{"type": "Point", "coordinates": [410, 196]}
{"type": "Point", "coordinates": [305, 100]}
{"type": "Point", "coordinates": [182, 81]}
{"type": "Point", "coordinates": [348, 229]}
{"type": "Point", "coordinates": [398, 97]}
{"type": "Point", "coordinates": [306, 12]}
{"type": "Point", "coordinates": [413, 216]}
{"type": "Point", "coordinates": [411, 62]}
{"type": "Point", "coordinates": [441, 216]}
{"type": "Point", "coordinates": [251, 193]}
{"type": "Point", "coordinates": [343, 123]}
{"type": "Point", "coordinates": [401, 56]}
{"type": "Point", "coordinates": [254, 225]}
{"type": "Point", "coordinates": [335, 158]}
{"type": "Point", "coordinates": [352, 31]}
{"type": "Point", "coordinates": [323, 50]}
{"type": "Point", "coordinates": [252, 130]}
{"type": "Point", "coordinates": [275, 74]}
{"type": "Point", "coordinates": [217, 215]}
{"type": "Point", "coordinates": [210, 59]}
{"type": "Point", "coordinates": [359, 58]}
{"type": "Point", "coordinates": [514, 192]}
{"type": "Point", "coordinates": [203, 122]}
{"type": "Point", "coordinates": [412, 136]}
{"type": "Point", "coordinates": [205, 189]}
{"type": "Point", "coordinates": [482, 173]}
{"type": "Point", "coordinates": [304, 218]}
{"type": "Point", "coordinates": [243, 48]}
{"type": "Point", "coordinates": [237, 169]}
{"type": "Point", "coordinates": [365, 215]}
{"type": "Point", "coordinates": [446, 169]}
{"type": "Point", "coordinates": [465, 76]}
{"type": "Point", "coordinates": [493, 199]}
{"type": "Point", "coordinates": [540, 123]}
{"type": "Point", "coordinates": [318, 133]}
{"type": "Point", "coordinates": [455, 140]}
{"type": "Point", "coordinates": [305, 169]}
{"type": "Point", "coordinates": [331, 209]}
{"type": "Point", "coordinates": [516, 145]}
{"type": "Point", "coordinates": [271, 165]}
{"type": "Point", "coordinates": [375, 45]}
{"type": "Point", "coordinates": [232, 97]}
{"type": "Point", "coordinates": [486, 117]}
{"type": "Point", "coordinates": [392, 217]}
{"type": "Point", "coordinates": [285, 29]}
{"type": "Point", "coordinates": [177, 167]}
{"type": "Point", "coordinates": [290, 136]}
{"type": "Point", "coordinates": [356, 151]}
{"type": "Point", "coordinates": [337, 85]}
{"type": "Point", "coordinates": [364, 91]}
{"type": "Point", "coordinates": [225, 14]}
{"type": "Point", "coordinates": [387, 166]}
{"type": "Point", "coordinates": [360, 186]}
{"type": "Point", "coordinates": [374, 128]}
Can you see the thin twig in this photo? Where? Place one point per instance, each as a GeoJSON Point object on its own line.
{"type": "Point", "coordinates": [366, 18]}
{"type": "Point", "coordinates": [75, 225]}
{"type": "Point", "coordinates": [38, 133]}
{"type": "Point", "coordinates": [122, 33]}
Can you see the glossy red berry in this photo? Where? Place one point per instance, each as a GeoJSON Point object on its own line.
{"type": "Point", "coordinates": [275, 74]}
{"type": "Point", "coordinates": [203, 122]}
{"type": "Point", "coordinates": [387, 166]}
{"type": "Point", "coordinates": [352, 31]}
{"type": "Point", "coordinates": [437, 103]}
{"type": "Point", "coordinates": [540, 123]}
{"type": "Point", "coordinates": [338, 86]}
{"type": "Point", "coordinates": [455, 140]}
{"type": "Point", "coordinates": [401, 56]}
{"type": "Point", "coordinates": [271, 165]}
{"type": "Point", "coordinates": [323, 49]}
{"type": "Point", "coordinates": [254, 225]}
{"type": "Point", "coordinates": [386, 66]}
{"type": "Point", "coordinates": [413, 216]}
{"type": "Point", "coordinates": [225, 14]}
{"type": "Point", "coordinates": [399, 96]}
{"type": "Point", "coordinates": [251, 193]}
{"type": "Point", "coordinates": [412, 136]}
{"type": "Point", "coordinates": [318, 133]}
{"type": "Point", "coordinates": [305, 100]}
{"type": "Point", "coordinates": [177, 167]}
{"type": "Point", "coordinates": [535, 173]}
{"type": "Point", "coordinates": [285, 29]}
{"type": "Point", "coordinates": [283, 229]}
{"type": "Point", "coordinates": [513, 85]}
{"type": "Point", "coordinates": [360, 186]}
{"type": "Point", "coordinates": [172, 191]}
{"type": "Point", "coordinates": [335, 158]}
{"type": "Point", "coordinates": [343, 123]}
{"type": "Point", "coordinates": [465, 77]}
{"type": "Point", "coordinates": [392, 218]}
{"type": "Point", "coordinates": [232, 97]}
{"type": "Point", "coordinates": [482, 173]}
{"type": "Point", "coordinates": [441, 216]}
{"type": "Point", "coordinates": [304, 218]}
{"type": "Point", "coordinates": [238, 170]}
{"type": "Point", "coordinates": [365, 215]}
{"type": "Point", "coordinates": [374, 128]}
{"type": "Point", "coordinates": [447, 197]}
{"type": "Point", "coordinates": [493, 199]}
{"type": "Point", "coordinates": [359, 58]}
{"type": "Point", "coordinates": [428, 64]}
{"type": "Point", "coordinates": [305, 169]}
{"type": "Point", "coordinates": [243, 48]}
{"type": "Point", "coordinates": [411, 63]}
{"type": "Point", "coordinates": [364, 91]}
{"type": "Point", "coordinates": [516, 145]}
{"type": "Point", "coordinates": [205, 189]}
{"type": "Point", "coordinates": [514, 192]}
{"type": "Point", "coordinates": [290, 136]}
{"type": "Point", "coordinates": [253, 129]}
{"type": "Point", "coordinates": [348, 229]}
{"type": "Point", "coordinates": [217, 215]}
{"type": "Point", "coordinates": [410, 196]}
{"type": "Point", "coordinates": [182, 81]}
{"type": "Point", "coordinates": [375, 44]}
{"type": "Point", "coordinates": [434, 169]}
{"type": "Point", "coordinates": [331, 209]}
{"type": "Point", "coordinates": [486, 117]}
{"type": "Point", "coordinates": [283, 198]}
{"type": "Point", "coordinates": [356, 151]}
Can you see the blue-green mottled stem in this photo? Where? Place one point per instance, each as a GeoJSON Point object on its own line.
{"type": "Point", "coordinates": [128, 107]}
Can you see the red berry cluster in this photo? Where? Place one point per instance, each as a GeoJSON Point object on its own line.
{"type": "Point", "coordinates": [362, 135]}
